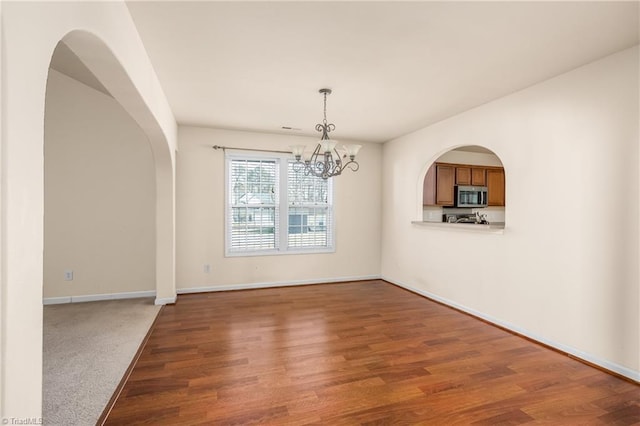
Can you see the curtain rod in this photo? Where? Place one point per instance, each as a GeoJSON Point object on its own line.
{"type": "Point", "coordinates": [216, 147]}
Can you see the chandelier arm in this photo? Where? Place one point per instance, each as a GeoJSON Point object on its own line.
{"type": "Point", "coordinates": [316, 152]}
{"type": "Point", "coordinates": [352, 165]}
{"type": "Point", "coordinates": [338, 159]}
{"type": "Point", "coordinates": [328, 165]}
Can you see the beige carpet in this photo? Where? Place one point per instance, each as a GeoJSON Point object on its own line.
{"type": "Point", "coordinates": [87, 349]}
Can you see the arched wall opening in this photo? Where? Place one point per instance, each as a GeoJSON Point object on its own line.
{"type": "Point", "coordinates": [105, 187]}
{"type": "Point", "coordinates": [99, 191]}
{"type": "Point", "coordinates": [96, 56]}
{"type": "Point", "coordinates": [465, 184]}
{"type": "Point", "coordinates": [110, 47]}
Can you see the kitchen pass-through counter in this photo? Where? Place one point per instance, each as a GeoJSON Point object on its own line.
{"type": "Point", "coordinates": [493, 228]}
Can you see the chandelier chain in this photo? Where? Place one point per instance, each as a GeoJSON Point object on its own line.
{"type": "Point", "coordinates": [325, 109]}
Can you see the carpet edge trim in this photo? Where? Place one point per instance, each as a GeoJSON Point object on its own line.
{"type": "Point", "coordinates": [125, 377]}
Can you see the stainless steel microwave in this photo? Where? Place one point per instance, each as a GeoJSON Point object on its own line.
{"type": "Point", "coordinates": [471, 196]}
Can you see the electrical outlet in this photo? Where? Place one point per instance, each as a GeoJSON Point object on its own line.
{"type": "Point", "coordinates": [68, 275]}
{"type": "Point", "coordinates": [207, 268]}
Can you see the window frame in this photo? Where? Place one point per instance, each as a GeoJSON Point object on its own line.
{"type": "Point", "coordinates": [282, 209]}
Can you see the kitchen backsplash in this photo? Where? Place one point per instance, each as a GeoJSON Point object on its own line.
{"type": "Point", "coordinates": [434, 213]}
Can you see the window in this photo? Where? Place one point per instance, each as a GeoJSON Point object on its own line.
{"type": "Point", "coordinates": [253, 204]}
{"type": "Point", "coordinates": [309, 210]}
{"type": "Point", "coordinates": [273, 208]}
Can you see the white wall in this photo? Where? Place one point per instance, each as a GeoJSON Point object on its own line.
{"type": "Point", "coordinates": [472, 158]}
{"type": "Point", "coordinates": [200, 217]}
{"type": "Point", "coordinates": [565, 270]}
{"type": "Point", "coordinates": [99, 216]}
{"type": "Point", "coordinates": [103, 35]}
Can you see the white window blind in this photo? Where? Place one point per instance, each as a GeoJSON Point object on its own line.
{"type": "Point", "coordinates": [273, 208]}
{"type": "Point", "coordinates": [310, 222]}
{"type": "Point", "coordinates": [253, 202]}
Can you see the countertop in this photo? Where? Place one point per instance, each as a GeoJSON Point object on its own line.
{"type": "Point", "coordinates": [494, 228]}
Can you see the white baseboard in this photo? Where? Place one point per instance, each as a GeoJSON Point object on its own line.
{"type": "Point", "coordinates": [96, 297]}
{"type": "Point", "coordinates": [608, 365]}
{"type": "Point", "coordinates": [56, 300]}
{"type": "Point", "coordinates": [249, 286]}
{"type": "Point", "coordinates": [165, 300]}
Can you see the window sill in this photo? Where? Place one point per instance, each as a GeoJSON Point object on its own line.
{"type": "Point", "coordinates": [497, 228]}
{"type": "Point", "coordinates": [280, 252]}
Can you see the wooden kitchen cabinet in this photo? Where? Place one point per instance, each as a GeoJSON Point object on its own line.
{"type": "Point", "coordinates": [438, 185]}
{"type": "Point", "coordinates": [495, 185]}
{"type": "Point", "coordinates": [441, 178]}
{"type": "Point", "coordinates": [429, 188]}
{"type": "Point", "coordinates": [468, 175]}
{"type": "Point", "coordinates": [478, 176]}
{"type": "Point", "coordinates": [445, 182]}
{"type": "Point", "coordinates": [463, 175]}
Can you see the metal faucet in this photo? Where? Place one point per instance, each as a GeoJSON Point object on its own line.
{"type": "Point", "coordinates": [481, 218]}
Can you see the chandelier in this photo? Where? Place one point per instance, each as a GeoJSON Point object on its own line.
{"type": "Point", "coordinates": [327, 160]}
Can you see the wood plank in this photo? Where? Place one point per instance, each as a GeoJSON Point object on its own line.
{"type": "Point", "coordinates": [354, 353]}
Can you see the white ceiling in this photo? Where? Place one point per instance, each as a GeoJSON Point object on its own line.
{"type": "Point", "coordinates": [394, 67]}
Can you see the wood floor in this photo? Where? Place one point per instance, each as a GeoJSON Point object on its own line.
{"type": "Point", "coordinates": [365, 353]}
